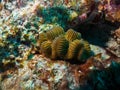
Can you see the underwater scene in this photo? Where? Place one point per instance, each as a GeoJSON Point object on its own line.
{"type": "Point", "coordinates": [59, 44]}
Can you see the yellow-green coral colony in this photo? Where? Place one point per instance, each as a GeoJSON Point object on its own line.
{"type": "Point", "coordinates": [72, 35]}
{"type": "Point", "coordinates": [42, 38]}
{"type": "Point", "coordinates": [46, 48]}
{"type": "Point", "coordinates": [54, 32]}
{"type": "Point", "coordinates": [74, 48]}
{"type": "Point", "coordinates": [61, 46]}
{"type": "Point", "coordinates": [56, 44]}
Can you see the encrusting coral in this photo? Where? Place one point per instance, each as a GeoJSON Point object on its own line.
{"type": "Point", "coordinates": [56, 44]}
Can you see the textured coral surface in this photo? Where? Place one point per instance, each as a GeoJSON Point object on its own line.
{"type": "Point", "coordinates": [56, 44]}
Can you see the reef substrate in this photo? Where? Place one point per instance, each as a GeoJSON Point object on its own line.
{"type": "Point", "coordinates": [34, 56]}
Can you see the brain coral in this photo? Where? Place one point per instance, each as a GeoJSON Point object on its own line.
{"type": "Point", "coordinates": [54, 32]}
{"type": "Point", "coordinates": [46, 48]}
{"type": "Point", "coordinates": [42, 38]}
{"type": "Point", "coordinates": [72, 35]}
{"type": "Point", "coordinates": [61, 46]}
{"type": "Point", "coordinates": [56, 44]}
{"type": "Point", "coordinates": [74, 48]}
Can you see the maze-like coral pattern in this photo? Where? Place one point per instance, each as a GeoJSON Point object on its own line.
{"type": "Point", "coordinates": [56, 44]}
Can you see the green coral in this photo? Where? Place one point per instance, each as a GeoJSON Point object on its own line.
{"type": "Point", "coordinates": [56, 14]}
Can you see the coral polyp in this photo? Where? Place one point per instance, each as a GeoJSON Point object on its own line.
{"type": "Point", "coordinates": [46, 48]}
{"type": "Point", "coordinates": [72, 35]}
{"type": "Point", "coordinates": [54, 32]}
{"type": "Point", "coordinates": [42, 38]}
{"type": "Point", "coordinates": [74, 48]}
{"type": "Point", "coordinates": [60, 45]}
{"type": "Point", "coordinates": [87, 47]}
{"type": "Point", "coordinates": [84, 52]}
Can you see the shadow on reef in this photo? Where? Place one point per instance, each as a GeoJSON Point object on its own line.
{"type": "Point", "coordinates": [97, 33]}
{"type": "Point", "coordinates": [107, 79]}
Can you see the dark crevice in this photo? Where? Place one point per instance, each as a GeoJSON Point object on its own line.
{"type": "Point", "coordinates": [97, 33]}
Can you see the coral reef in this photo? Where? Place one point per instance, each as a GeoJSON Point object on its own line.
{"type": "Point", "coordinates": [59, 44]}
{"type": "Point", "coordinates": [114, 43]}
